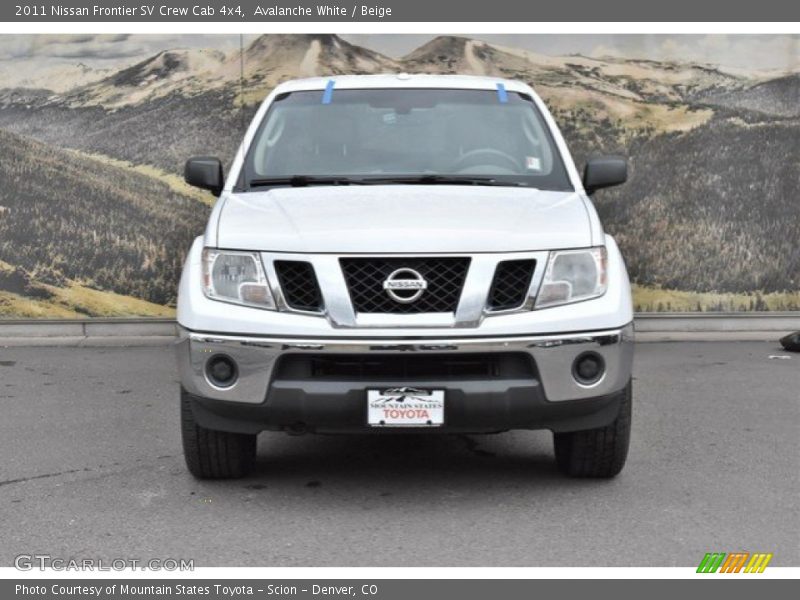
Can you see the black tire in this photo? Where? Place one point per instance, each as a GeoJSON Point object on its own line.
{"type": "Point", "coordinates": [600, 452]}
{"type": "Point", "coordinates": [212, 454]}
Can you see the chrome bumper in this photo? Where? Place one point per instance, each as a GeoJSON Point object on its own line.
{"type": "Point", "coordinates": [552, 354]}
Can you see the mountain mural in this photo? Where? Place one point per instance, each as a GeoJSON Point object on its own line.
{"type": "Point", "coordinates": [778, 97]}
{"type": "Point", "coordinates": [95, 219]}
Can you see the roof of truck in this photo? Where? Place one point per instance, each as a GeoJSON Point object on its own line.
{"type": "Point", "coordinates": [402, 80]}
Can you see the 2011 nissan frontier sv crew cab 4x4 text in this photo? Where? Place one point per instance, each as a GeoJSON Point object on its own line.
{"type": "Point", "coordinates": [410, 253]}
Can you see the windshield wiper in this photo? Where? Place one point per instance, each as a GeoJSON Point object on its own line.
{"type": "Point", "coordinates": [304, 180]}
{"type": "Point", "coordinates": [426, 179]}
{"type": "Point", "coordinates": [433, 179]}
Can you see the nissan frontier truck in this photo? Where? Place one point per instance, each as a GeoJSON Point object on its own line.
{"type": "Point", "coordinates": [404, 254]}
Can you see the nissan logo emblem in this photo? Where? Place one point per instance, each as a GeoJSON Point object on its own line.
{"type": "Point", "coordinates": [405, 285]}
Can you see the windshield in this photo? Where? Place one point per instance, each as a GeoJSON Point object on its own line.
{"type": "Point", "coordinates": [399, 135]}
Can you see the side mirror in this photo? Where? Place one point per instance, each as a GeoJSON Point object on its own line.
{"type": "Point", "coordinates": [204, 172]}
{"type": "Point", "coordinates": [604, 171]}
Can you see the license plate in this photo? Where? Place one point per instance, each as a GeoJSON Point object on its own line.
{"type": "Point", "coordinates": [405, 407]}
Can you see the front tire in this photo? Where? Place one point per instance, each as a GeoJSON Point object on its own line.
{"type": "Point", "coordinates": [212, 454]}
{"type": "Point", "coordinates": [598, 453]}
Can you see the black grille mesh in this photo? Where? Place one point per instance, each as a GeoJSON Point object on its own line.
{"type": "Point", "coordinates": [512, 278]}
{"type": "Point", "coordinates": [299, 284]}
{"type": "Point", "coordinates": [365, 277]}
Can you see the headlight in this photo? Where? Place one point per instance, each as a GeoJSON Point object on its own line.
{"type": "Point", "coordinates": [572, 276]}
{"type": "Point", "coordinates": [236, 277]}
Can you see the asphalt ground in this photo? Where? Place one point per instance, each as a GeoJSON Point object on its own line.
{"type": "Point", "coordinates": [92, 468]}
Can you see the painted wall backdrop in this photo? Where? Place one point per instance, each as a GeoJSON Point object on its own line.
{"type": "Point", "coordinates": [95, 219]}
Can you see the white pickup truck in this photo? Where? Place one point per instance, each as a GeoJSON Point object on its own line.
{"type": "Point", "coordinates": [404, 253]}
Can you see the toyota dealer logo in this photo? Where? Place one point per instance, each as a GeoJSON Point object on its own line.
{"type": "Point", "coordinates": [405, 285]}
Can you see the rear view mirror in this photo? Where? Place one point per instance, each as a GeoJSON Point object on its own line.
{"type": "Point", "coordinates": [204, 172]}
{"type": "Point", "coordinates": [604, 171]}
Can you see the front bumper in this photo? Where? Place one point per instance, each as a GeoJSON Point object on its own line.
{"type": "Point", "coordinates": [265, 398]}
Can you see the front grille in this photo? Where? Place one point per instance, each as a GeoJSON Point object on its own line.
{"type": "Point", "coordinates": [510, 285]}
{"type": "Point", "coordinates": [299, 285]}
{"type": "Point", "coordinates": [444, 276]}
{"type": "Point", "coordinates": [406, 367]}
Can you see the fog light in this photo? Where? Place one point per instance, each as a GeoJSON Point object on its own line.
{"type": "Point", "coordinates": [588, 368]}
{"type": "Point", "coordinates": [221, 371]}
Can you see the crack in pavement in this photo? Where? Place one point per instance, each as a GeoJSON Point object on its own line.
{"type": "Point", "coordinates": [69, 472]}
{"type": "Point", "coordinates": [44, 476]}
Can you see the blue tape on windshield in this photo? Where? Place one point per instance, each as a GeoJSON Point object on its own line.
{"type": "Point", "coordinates": [327, 95]}
{"type": "Point", "coordinates": [502, 95]}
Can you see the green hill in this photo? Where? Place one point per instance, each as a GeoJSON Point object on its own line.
{"type": "Point", "coordinates": [67, 221]}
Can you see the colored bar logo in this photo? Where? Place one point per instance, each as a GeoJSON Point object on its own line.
{"type": "Point", "coordinates": [735, 562]}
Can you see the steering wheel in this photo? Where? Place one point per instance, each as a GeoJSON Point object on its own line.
{"type": "Point", "coordinates": [482, 156]}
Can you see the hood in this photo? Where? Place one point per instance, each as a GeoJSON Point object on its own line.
{"type": "Point", "coordinates": [403, 219]}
